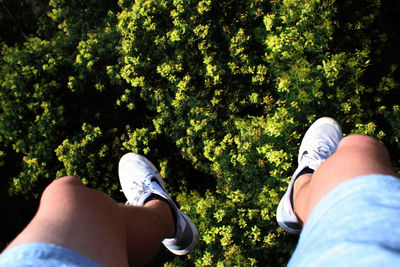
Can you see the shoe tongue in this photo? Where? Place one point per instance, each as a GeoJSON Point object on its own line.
{"type": "Point", "coordinates": [311, 160]}
{"type": "Point", "coordinates": [156, 185]}
{"type": "Point", "coordinates": [139, 201]}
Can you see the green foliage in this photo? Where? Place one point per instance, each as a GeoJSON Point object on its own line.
{"type": "Point", "coordinates": [216, 93]}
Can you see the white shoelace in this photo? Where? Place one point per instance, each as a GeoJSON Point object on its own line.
{"type": "Point", "coordinates": [318, 153]}
{"type": "Point", "coordinates": [137, 190]}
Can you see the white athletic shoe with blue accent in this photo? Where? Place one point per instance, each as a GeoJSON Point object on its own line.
{"type": "Point", "coordinates": [140, 179]}
{"type": "Point", "coordinates": [320, 142]}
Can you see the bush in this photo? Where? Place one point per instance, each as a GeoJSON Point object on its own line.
{"type": "Point", "coordinates": [216, 93]}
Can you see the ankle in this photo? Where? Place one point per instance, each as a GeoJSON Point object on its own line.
{"type": "Point", "coordinates": [164, 214]}
{"type": "Point", "coordinates": [300, 196]}
{"type": "Point", "coordinates": [305, 171]}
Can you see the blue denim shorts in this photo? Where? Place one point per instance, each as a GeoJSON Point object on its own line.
{"type": "Point", "coordinates": [44, 254]}
{"type": "Point", "coordinates": [356, 224]}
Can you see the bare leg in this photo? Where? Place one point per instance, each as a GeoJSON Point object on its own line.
{"type": "Point", "coordinates": [145, 233]}
{"type": "Point", "coordinates": [91, 223]}
{"type": "Point", "coordinates": [356, 155]}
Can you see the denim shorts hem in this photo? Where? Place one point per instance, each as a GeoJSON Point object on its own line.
{"type": "Point", "coordinates": [44, 254]}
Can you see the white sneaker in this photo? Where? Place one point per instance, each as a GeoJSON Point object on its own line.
{"type": "Point", "coordinates": [140, 179]}
{"type": "Point", "coordinates": [320, 141]}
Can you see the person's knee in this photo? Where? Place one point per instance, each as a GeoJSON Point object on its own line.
{"type": "Point", "coordinates": [65, 182]}
{"type": "Point", "coordinates": [61, 185]}
{"type": "Point", "coordinates": [68, 180]}
{"type": "Point", "coordinates": [356, 141]}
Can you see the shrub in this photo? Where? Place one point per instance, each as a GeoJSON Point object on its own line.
{"type": "Point", "coordinates": [216, 93]}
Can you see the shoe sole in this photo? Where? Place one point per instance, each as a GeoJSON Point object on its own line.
{"type": "Point", "coordinates": [280, 220]}
{"type": "Point", "coordinates": [193, 244]}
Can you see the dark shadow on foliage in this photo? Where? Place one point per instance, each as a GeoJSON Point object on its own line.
{"type": "Point", "coordinates": [15, 211]}
{"type": "Point", "coordinates": [382, 35]}
{"type": "Point", "coordinates": [182, 171]}
{"type": "Point", "coordinates": [19, 19]}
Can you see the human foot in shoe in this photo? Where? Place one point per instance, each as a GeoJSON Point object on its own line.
{"type": "Point", "coordinates": [320, 142]}
{"type": "Point", "coordinates": [140, 180]}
